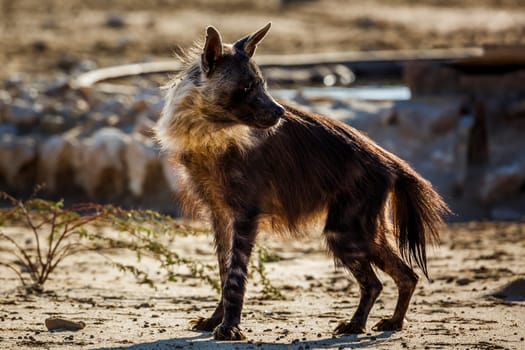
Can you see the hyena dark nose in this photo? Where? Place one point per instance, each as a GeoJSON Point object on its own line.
{"type": "Point", "coordinates": [278, 111]}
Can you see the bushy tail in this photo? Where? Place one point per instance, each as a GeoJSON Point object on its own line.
{"type": "Point", "coordinates": [418, 211]}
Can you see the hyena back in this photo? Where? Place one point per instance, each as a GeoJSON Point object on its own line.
{"type": "Point", "coordinates": [246, 161]}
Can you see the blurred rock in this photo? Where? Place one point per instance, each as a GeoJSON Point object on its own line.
{"type": "Point", "coordinates": [86, 66]}
{"type": "Point", "coordinates": [141, 157]}
{"type": "Point", "coordinates": [53, 124]}
{"type": "Point", "coordinates": [116, 105]}
{"type": "Point", "coordinates": [40, 45]}
{"type": "Point", "coordinates": [56, 163]}
{"type": "Point", "coordinates": [16, 153]}
{"type": "Point", "coordinates": [425, 79]}
{"type": "Point", "coordinates": [99, 164]}
{"type": "Point", "coordinates": [502, 182]}
{"type": "Point", "coordinates": [424, 118]}
{"type": "Point", "coordinates": [67, 62]}
{"type": "Point", "coordinates": [517, 110]}
{"type": "Point", "coordinates": [57, 86]}
{"type": "Point", "coordinates": [23, 114]}
{"type": "Point", "coordinates": [5, 101]}
{"type": "Point", "coordinates": [14, 82]}
{"type": "Point", "coordinates": [344, 75]}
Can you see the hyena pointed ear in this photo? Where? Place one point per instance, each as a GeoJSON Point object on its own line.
{"type": "Point", "coordinates": [212, 49]}
{"type": "Point", "coordinates": [249, 43]}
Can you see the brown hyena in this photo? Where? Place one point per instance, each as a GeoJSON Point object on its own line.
{"type": "Point", "coordinates": [248, 162]}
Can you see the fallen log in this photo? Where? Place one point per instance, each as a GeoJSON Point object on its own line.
{"type": "Point", "coordinates": [365, 63]}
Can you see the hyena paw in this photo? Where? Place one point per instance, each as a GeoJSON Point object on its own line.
{"type": "Point", "coordinates": [347, 327]}
{"type": "Point", "coordinates": [387, 324]}
{"type": "Point", "coordinates": [223, 332]}
{"type": "Point", "coordinates": [203, 324]}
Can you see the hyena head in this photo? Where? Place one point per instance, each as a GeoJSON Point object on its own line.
{"type": "Point", "coordinates": [232, 86]}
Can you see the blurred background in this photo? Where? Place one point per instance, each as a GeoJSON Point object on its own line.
{"type": "Point", "coordinates": [437, 82]}
{"type": "Point", "coordinates": [37, 34]}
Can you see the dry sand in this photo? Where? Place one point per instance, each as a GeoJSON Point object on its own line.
{"type": "Point", "coordinates": [457, 309]}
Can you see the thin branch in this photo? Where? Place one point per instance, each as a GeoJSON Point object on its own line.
{"type": "Point", "coordinates": [27, 258]}
{"type": "Point", "coordinates": [64, 253]}
{"type": "Point", "coordinates": [18, 274]}
{"type": "Point", "coordinates": [68, 230]}
{"type": "Point", "coordinates": [51, 237]}
{"type": "Point", "coordinates": [33, 229]}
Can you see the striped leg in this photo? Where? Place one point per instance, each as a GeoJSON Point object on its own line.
{"type": "Point", "coordinates": [350, 232]}
{"type": "Point", "coordinates": [244, 232]}
{"type": "Point", "coordinates": [222, 249]}
{"type": "Point", "coordinates": [355, 259]}
{"type": "Point", "coordinates": [405, 278]}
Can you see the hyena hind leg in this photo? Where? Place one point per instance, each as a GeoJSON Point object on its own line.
{"type": "Point", "coordinates": [405, 278]}
{"type": "Point", "coordinates": [351, 255]}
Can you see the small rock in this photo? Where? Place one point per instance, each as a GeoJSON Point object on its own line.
{"type": "Point", "coordinates": [61, 323]}
{"type": "Point", "coordinates": [463, 281]}
{"type": "Point", "coordinates": [40, 45]}
{"type": "Point", "coordinates": [67, 62]}
{"type": "Point", "coordinates": [344, 75]}
{"type": "Point", "coordinates": [57, 87]}
{"type": "Point", "coordinates": [87, 65]}
{"type": "Point", "coordinates": [116, 21]}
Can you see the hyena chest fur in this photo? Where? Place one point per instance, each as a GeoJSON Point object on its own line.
{"type": "Point", "coordinates": [216, 182]}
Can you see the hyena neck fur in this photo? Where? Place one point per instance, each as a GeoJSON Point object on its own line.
{"type": "Point", "coordinates": [185, 126]}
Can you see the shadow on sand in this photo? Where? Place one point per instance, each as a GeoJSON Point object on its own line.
{"type": "Point", "coordinates": [205, 341]}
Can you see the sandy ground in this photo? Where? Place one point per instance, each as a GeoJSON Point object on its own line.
{"type": "Point", "coordinates": [40, 36]}
{"type": "Point", "coordinates": [457, 309]}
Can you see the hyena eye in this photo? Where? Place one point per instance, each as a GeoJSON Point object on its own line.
{"type": "Point", "coordinates": [247, 88]}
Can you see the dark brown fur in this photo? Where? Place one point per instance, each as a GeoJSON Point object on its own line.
{"type": "Point", "coordinates": [252, 163]}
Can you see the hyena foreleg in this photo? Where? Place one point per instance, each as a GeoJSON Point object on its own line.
{"type": "Point", "coordinates": [243, 238]}
{"type": "Point", "coordinates": [222, 236]}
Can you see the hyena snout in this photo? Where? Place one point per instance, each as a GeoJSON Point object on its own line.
{"type": "Point", "coordinates": [276, 111]}
{"type": "Point", "coordinates": [269, 115]}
